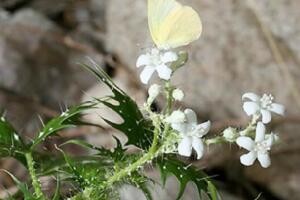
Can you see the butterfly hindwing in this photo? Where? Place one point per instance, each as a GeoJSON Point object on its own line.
{"type": "Point", "coordinates": [171, 24]}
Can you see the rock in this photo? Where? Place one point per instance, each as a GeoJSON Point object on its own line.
{"type": "Point", "coordinates": [39, 72]}
{"type": "Point", "coordinates": [51, 9]}
{"type": "Point", "coordinates": [11, 4]}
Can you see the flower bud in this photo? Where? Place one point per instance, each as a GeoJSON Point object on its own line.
{"type": "Point", "coordinates": [178, 94]}
{"type": "Point", "coordinates": [230, 134]}
{"type": "Point", "coordinates": [153, 92]}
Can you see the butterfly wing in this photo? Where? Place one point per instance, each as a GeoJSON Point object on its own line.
{"type": "Point", "coordinates": [171, 24]}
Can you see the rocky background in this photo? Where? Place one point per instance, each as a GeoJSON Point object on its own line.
{"type": "Point", "coordinates": [246, 46]}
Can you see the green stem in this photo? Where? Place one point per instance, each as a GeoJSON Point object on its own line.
{"type": "Point", "coordinates": [251, 127]}
{"type": "Point", "coordinates": [140, 162]}
{"type": "Point", "coordinates": [169, 90]}
{"type": "Point", "coordinates": [35, 182]}
{"type": "Point", "coordinates": [216, 140]}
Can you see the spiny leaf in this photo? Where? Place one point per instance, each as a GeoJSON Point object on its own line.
{"type": "Point", "coordinates": [116, 154]}
{"type": "Point", "coordinates": [87, 172]}
{"type": "Point", "coordinates": [135, 126]}
{"type": "Point", "coordinates": [22, 186]}
{"type": "Point", "coordinates": [68, 119]}
{"type": "Point", "coordinates": [185, 174]}
{"type": "Point", "coordinates": [10, 142]}
{"type": "Point", "coordinates": [140, 181]}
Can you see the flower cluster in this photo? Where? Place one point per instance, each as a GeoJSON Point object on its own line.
{"type": "Point", "coordinates": [258, 148]}
{"type": "Point", "coordinates": [187, 135]}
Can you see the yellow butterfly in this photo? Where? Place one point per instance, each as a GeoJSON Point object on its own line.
{"type": "Point", "coordinates": [172, 24]}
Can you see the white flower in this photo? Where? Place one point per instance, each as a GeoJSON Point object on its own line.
{"type": "Point", "coordinates": [178, 94]}
{"type": "Point", "coordinates": [177, 116]}
{"type": "Point", "coordinates": [262, 106]}
{"type": "Point", "coordinates": [190, 132]}
{"type": "Point", "coordinates": [156, 61]}
{"type": "Point", "coordinates": [259, 148]}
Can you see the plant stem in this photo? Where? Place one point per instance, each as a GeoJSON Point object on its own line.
{"type": "Point", "coordinates": [35, 182]}
{"type": "Point", "coordinates": [134, 166]}
{"type": "Point", "coordinates": [168, 89]}
{"type": "Point", "coordinates": [216, 140]}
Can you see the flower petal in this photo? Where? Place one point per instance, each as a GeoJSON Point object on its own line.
{"type": "Point", "coordinates": [185, 147]}
{"type": "Point", "coordinates": [248, 159]}
{"type": "Point", "coordinates": [180, 127]}
{"type": "Point", "coordinates": [169, 57]}
{"type": "Point", "coordinates": [176, 116]}
{"type": "Point", "coordinates": [277, 108]}
{"type": "Point", "coordinates": [146, 74]}
{"type": "Point", "coordinates": [245, 142]}
{"type": "Point", "coordinates": [203, 128]}
{"type": "Point", "coordinates": [266, 116]}
{"type": "Point", "coordinates": [143, 60]}
{"type": "Point", "coordinates": [264, 159]}
{"type": "Point", "coordinates": [190, 116]}
{"type": "Point", "coordinates": [270, 139]}
{"type": "Point", "coordinates": [260, 132]}
{"type": "Point", "coordinates": [164, 72]}
{"type": "Point", "coordinates": [252, 96]}
{"type": "Point", "coordinates": [250, 107]}
{"type": "Point", "coordinates": [198, 146]}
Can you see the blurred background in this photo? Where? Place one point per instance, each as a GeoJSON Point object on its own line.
{"type": "Point", "coordinates": [245, 46]}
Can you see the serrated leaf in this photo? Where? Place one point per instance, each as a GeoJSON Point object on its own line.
{"type": "Point", "coordinates": [68, 119]}
{"type": "Point", "coordinates": [22, 187]}
{"type": "Point", "coordinates": [89, 171]}
{"type": "Point", "coordinates": [140, 181]}
{"type": "Point", "coordinates": [116, 154]}
{"type": "Point", "coordinates": [171, 166]}
{"type": "Point", "coordinates": [135, 126]}
{"type": "Point", "coordinates": [11, 145]}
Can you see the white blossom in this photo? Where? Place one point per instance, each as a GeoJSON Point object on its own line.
{"type": "Point", "coordinates": [190, 132]}
{"type": "Point", "coordinates": [177, 116]}
{"type": "Point", "coordinates": [157, 61]}
{"type": "Point", "coordinates": [262, 106]}
{"type": "Point", "coordinates": [258, 149]}
{"type": "Point", "coordinates": [178, 94]}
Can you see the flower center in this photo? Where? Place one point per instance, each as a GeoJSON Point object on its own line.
{"type": "Point", "coordinates": [266, 101]}
{"type": "Point", "coordinates": [194, 131]}
{"type": "Point", "coordinates": [262, 147]}
{"type": "Point", "coordinates": [156, 57]}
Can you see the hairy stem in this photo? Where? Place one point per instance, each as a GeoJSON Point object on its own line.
{"type": "Point", "coordinates": [169, 90]}
{"type": "Point", "coordinates": [140, 162]}
{"type": "Point", "coordinates": [35, 182]}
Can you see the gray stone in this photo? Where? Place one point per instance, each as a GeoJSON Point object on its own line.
{"type": "Point", "coordinates": [40, 71]}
